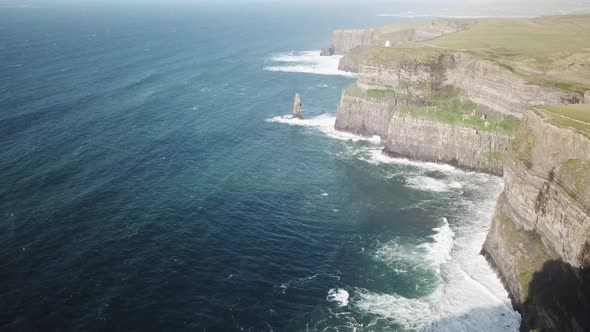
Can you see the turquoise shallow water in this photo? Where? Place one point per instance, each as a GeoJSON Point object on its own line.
{"type": "Point", "coordinates": [149, 182]}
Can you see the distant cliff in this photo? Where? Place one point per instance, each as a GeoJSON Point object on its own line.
{"type": "Point", "coordinates": [540, 234]}
{"type": "Point", "coordinates": [351, 43]}
{"type": "Point", "coordinates": [445, 107]}
{"type": "Point", "coordinates": [343, 41]}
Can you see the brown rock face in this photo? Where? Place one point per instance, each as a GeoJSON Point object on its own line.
{"type": "Point", "coordinates": [297, 108]}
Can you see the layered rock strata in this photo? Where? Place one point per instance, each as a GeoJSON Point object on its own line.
{"type": "Point", "coordinates": [343, 41]}
{"type": "Point", "coordinates": [540, 233]}
{"type": "Point", "coordinates": [402, 83]}
{"type": "Point", "coordinates": [461, 146]}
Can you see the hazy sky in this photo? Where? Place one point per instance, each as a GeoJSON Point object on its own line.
{"type": "Point", "coordinates": [434, 2]}
{"type": "Point", "coordinates": [551, 6]}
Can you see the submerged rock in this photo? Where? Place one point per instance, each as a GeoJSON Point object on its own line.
{"type": "Point", "coordinates": [297, 108]}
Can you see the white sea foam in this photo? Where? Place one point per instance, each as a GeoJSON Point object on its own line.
{"type": "Point", "coordinates": [439, 251]}
{"type": "Point", "coordinates": [401, 257]}
{"type": "Point", "coordinates": [410, 313]}
{"type": "Point", "coordinates": [470, 297]}
{"type": "Point", "coordinates": [325, 123]}
{"type": "Point", "coordinates": [426, 183]}
{"type": "Point", "coordinates": [307, 62]}
{"type": "Point", "coordinates": [339, 296]}
{"type": "Point", "coordinates": [376, 157]}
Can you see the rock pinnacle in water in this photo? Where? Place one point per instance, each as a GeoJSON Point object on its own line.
{"type": "Point", "coordinates": [297, 108]}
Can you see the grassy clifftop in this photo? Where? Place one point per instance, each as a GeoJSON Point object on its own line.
{"type": "Point", "coordinates": [552, 51]}
{"type": "Point", "coordinates": [576, 116]}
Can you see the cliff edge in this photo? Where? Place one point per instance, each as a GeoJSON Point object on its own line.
{"type": "Point", "coordinates": [539, 241]}
{"type": "Point", "coordinates": [481, 98]}
{"type": "Point", "coordinates": [457, 98]}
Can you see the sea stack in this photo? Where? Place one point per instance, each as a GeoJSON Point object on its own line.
{"type": "Point", "coordinates": [297, 108]}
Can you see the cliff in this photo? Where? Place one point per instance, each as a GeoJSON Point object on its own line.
{"type": "Point", "coordinates": [461, 146]}
{"type": "Point", "coordinates": [470, 135]}
{"type": "Point", "coordinates": [540, 233]}
{"type": "Point", "coordinates": [367, 112]}
{"type": "Point", "coordinates": [351, 43]}
{"type": "Point", "coordinates": [480, 99]}
{"type": "Point", "coordinates": [343, 41]}
{"type": "Point", "coordinates": [489, 89]}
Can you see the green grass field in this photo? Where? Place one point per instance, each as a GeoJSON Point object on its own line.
{"type": "Point", "coordinates": [399, 27]}
{"type": "Point", "coordinates": [355, 91]}
{"type": "Point", "coordinates": [577, 116]}
{"type": "Point", "coordinates": [553, 51]}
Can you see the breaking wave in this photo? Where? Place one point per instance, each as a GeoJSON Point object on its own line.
{"type": "Point", "coordinates": [377, 157]}
{"type": "Point", "coordinates": [439, 251]}
{"type": "Point", "coordinates": [309, 62]}
{"type": "Point", "coordinates": [325, 123]}
{"type": "Point", "coordinates": [469, 296]}
{"type": "Point", "coordinates": [426, 183]}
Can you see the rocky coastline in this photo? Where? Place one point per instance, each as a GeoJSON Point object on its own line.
{"type": "Point", "coordinates": [480, 113]}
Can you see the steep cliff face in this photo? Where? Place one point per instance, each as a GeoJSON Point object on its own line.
{"type": "Point", "coordinates": [352, 43]}
{"type": "Point", "coordinates": [500, 89]}
{"type": "Point", "coordinates": [484, 82]}
{"type": "Point", "coordinates": [414, 82]}
{"type": "Point", "coordinates": [365, 116]}
{"type": "Point", "coordinates": [345, 40]}
{"type": "Point", "coordinates": [460, 100]}
{"type": "Point", "coordinates": [541, 227]}
{"type": "Point", "coordinates": [428, 140]}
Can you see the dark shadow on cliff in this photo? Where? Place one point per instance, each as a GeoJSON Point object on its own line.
{"type": "Point", "coordinates": [559, 299]}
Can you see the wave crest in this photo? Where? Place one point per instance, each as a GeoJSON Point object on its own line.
{"type": "Point", "coordinates": [309, 62]}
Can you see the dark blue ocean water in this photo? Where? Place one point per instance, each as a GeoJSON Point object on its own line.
{"type": "Point", "coordinates": [147, 182]}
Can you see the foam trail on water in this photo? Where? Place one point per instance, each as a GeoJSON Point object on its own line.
{"type": "Point", "coordinates": [325, 123]}
{"type": "Point", "coordinates": [309, 62]}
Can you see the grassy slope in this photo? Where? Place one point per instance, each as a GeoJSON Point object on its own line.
{"type": "Point", "coordinates": [541, 50]}
{"type": "Point", "coordinates": [453, 110]}
{"type": "Point", "coordinates": [577, 116]}
{"type": "Point", "coordinates": [399, 27]}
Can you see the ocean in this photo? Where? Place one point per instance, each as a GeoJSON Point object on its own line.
{"type": "Point", "coordinates": [151, 180]}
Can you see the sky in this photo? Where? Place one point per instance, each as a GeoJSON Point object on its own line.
{"type": "Point", "coordinates": [549, 6]}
